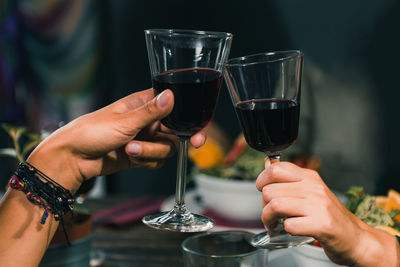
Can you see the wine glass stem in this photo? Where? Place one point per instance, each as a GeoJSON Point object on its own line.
{"type": "Point", "coordinates": [274, 157]}
{"type": "Point", "coordinates": [181, 175]}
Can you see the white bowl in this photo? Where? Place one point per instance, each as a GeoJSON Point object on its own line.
{"type": "Point", "coordinates": [231, 199]}
{"type": "Point", "coordinates": [311, 256]}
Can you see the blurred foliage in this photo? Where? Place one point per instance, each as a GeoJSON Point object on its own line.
{"type": "Point", "coordinates": [365, 207]}
{"type": "Point", "coordinates": [247, 167]}
{"type": "Point", "coordinates": [23, 141]}
{"type": "Point", "coordinates": [356, 195]}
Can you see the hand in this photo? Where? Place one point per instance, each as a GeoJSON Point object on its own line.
{"type": "Point", "coordinates": [123, 135]}
{"type": "Point", "coordinates": [312, 209]}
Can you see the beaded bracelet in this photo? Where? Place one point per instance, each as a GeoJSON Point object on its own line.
{"type": "Point", "coordinates": [48, 193]}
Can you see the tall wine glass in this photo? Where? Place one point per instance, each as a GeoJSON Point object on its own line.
{"type": "Point", "coordinates": [265, 91]}
{"type": "Point", "coordinates": [190, 63]}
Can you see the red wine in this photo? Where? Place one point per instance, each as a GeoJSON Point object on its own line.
{"type": "Point", "coordinates": [196, 92]}
{"type": "Point", "coordinates": [269, 125]}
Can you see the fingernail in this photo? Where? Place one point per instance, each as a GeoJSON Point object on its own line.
{"type": "Point", "coordinates": [134, 149]}
{"type": "Point", "coordinates": [162, 99]}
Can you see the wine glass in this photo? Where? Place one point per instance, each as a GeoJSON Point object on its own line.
{"type": "Point", "coordinates": [189, 63]}
{"type": "Point", "coordinates": [265, 91]}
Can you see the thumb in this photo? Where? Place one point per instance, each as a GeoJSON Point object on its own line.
{"type": "Point", "coordinates": [156, 109]}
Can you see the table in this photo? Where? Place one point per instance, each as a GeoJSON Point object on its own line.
{"type": "Point", "coordinates": [135, 244]}
{"type": "Point", "coordinates": [138, 245]}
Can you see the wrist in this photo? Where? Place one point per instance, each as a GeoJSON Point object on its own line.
{"type": "Point", "coordinates": [376, 248]}
{"type": "Point", "coordinates": [56, 161]}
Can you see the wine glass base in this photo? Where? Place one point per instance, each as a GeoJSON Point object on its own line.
{"type": "Point", "coordinates": [172, 221]}
{"type": "Point", "coordinates": [281, 240]}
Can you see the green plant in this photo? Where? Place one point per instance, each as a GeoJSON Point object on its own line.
{"type": "Point", "coordinates": [23, 141]}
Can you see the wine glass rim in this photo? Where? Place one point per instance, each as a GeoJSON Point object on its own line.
{"type": "Point", "coordinates": [188, 32]}
{"type": "Point", "coordinates": [266, 57]}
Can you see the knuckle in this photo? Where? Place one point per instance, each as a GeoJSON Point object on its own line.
{"type": "Point", "coordinates": [265, 216]}
{"type": "Point", "coordinates": [150, 108]}
{"type": "Point", "coordinates": [263, 219]}
{"type": "Point", "coordinates": [314, 174]}
{"type": "Point", "coordinates": [271, 170]}
{"type": "Point", "coordinates": [259, 186]}
{"type": "Point", "coordinates": [266, 193]}
{"type": "Point", "coordinates": [262, 180]}
{"type": "Point", "coordinates": [319, 191]}
{"type": "Point", "coordinates": [327, 226]}
{"type": "Point", "coordinates": [274, 205]}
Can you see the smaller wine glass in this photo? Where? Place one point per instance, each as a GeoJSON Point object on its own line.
{"type": "Point", "coordinates": [265, 91]}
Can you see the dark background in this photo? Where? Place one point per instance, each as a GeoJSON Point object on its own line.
{"type": "Point", "coordinates": [350, 89]}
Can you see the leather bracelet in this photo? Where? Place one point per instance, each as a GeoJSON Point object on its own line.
{"type": "Point", "coordinates": [49, 194]}
{"type": "Point", "coordinates": [43, 191]}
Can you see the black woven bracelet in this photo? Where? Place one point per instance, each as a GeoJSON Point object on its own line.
{"type": "Point", "coordinates": [53, 197]}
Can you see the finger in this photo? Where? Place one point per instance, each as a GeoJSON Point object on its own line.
{"type": "Point", "coordinates": [143, 163]}
{"type": "Point", "coordinates": [280, 208]}
{"type": "Point", "coordinates": [132, 101]}
{"type": "Point", "coordinates": [161, 149]}
{"type": "Point", "coordinates": [279, 190]}
{"type": "Point", "coordinates": [149, 132]}
{"type": "Point", "coordinates": [301, 226]}
{"type": "Point", "coordinates": [170, 137]}
{"type": "Point", "coordinates": [154, 110]}
{"type": "Point", "coordinates": [198, 139]}
{"type": "Point", "coordinates": [120, 160]}
{"type": "Point", "coordinates": [281, 172]}
{"type": "Point", "coordinates": [165, 129]}
{"type": "Point", "coordinates": [267, 162]}
{"type": "Point", "coordinates": [260, 183]}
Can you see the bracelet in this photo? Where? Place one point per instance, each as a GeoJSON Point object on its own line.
{"type": "Point", "coordinates": [49, 194]}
